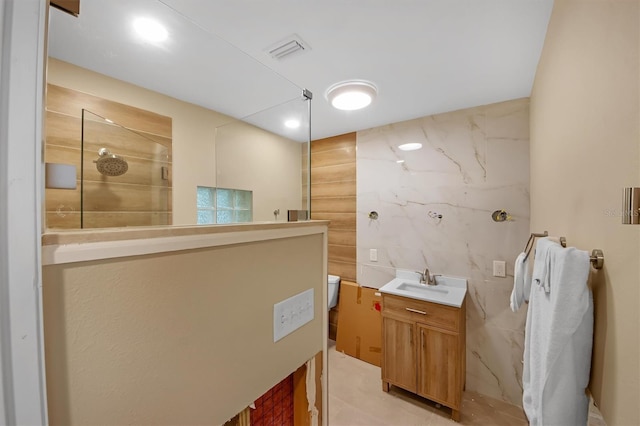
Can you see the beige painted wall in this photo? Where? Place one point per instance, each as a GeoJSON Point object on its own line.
{"type": "Point", "coordinates": [176, 338]}
{"type": "Point", "coordinates": [251, 159]}
{"type": "Point", "coordinates": [257, 160]}
{"type": "Point", "coordinates": [585, 147]}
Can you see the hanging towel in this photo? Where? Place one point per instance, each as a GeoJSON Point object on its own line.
{"type": "Point", "coordinates": [558, 340]}
{"type": "Point", "coordinates": [521, 282]}
{"type": "Point", "coordinates": [542, 262]}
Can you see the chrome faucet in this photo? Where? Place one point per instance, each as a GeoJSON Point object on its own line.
{"type": "Point", "coordinates": [427, 278]}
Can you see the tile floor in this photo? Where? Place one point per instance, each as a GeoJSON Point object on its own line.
{"type": "Point", "coordinates": [356, 398]}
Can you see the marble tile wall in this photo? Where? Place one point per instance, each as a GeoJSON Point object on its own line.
{"type": "Point", "coordinates": [472, 162]}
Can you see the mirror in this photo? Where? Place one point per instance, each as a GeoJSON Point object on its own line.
{"type": "Point", "coordinates": [197, 81]}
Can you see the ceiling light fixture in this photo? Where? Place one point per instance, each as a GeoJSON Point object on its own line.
{"type": "Point", "coordinates": [150, 30]}
{"type": "Point", "coordinates": [351, 95]}
{"type": "Point", "coordinates": [292, 124]}
{"type": "Point", "coordinates": [410, 146]}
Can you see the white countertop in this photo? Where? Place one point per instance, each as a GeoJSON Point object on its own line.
{"type": "Point", "coordinates": [449, 291]}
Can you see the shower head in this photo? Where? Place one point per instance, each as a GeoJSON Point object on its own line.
{"type": "Point", "coordinates": [110, 164]}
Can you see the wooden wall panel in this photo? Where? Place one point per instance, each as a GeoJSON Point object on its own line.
{"type": "Point", "coordinates": [331, 174]}
{"type": "Point", "coordinates": [63, 130]}
{"type": "Point", "coordinates": [346, 141]}
{"type": "Point", "coordinates": [341, 221]}
{"type": "Point", "coordinates": [341, 269]}
{"type": "Point", "coordinates": [344, 237]}
{"type": "Point", "coordinates": [344, 155]}
{"type": "Point", "coordinates": [340, 253]}
{"type": "Point", "coordinates": [72, 102]}
{"type": "Point", "coordinates": [139, 197]}
{"type": "Point", "coordinates": [333, 198]}
{"type": "Point", "coordinates": [333, 204]}
{"type": "Point", "coordinates": [334, 189]}
{"type": "Point", "coordinates": [71, 220]}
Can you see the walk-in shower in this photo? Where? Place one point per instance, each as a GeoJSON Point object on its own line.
{"type": "Point", "coordinates": [125, 175]}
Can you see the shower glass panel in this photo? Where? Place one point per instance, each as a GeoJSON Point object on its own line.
{"type": "Point", "coordinates": [273, 164]}
{"type": "Point", "coordinates": [125, 176]}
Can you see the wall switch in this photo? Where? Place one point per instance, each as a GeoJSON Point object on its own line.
{"type": "Point", "coordinates": [373, 255]}
{"type": "Point", "coordinates": [499, 268]}
{"type": "Point", "coordinates": [292, 313]}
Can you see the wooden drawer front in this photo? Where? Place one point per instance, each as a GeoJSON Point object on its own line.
{"type": "Point", "coordinates": [446, 317]}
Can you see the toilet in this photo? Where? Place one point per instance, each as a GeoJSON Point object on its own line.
{"type": "Point", "coordinates": [333, 282]}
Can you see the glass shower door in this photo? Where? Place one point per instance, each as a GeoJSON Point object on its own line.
{"type": "Point", "coordinates": [125, 176]}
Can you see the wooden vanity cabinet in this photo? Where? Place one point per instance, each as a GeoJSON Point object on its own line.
{"type": "Point", "coordinates": [423, 349]}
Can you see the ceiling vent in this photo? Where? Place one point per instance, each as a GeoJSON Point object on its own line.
{"type": "Point", "coordinates": [292, 45]}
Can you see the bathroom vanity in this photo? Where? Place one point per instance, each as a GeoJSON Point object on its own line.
{"type": "Point", "coordinates": [423, 341]}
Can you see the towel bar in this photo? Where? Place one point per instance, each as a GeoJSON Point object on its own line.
{"type": "Point", "coordinates": [531, 243]}
{"type": "Point", "coordinates": [596, 258]}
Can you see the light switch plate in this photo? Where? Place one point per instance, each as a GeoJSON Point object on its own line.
{"type": "Point", "coordinates": [292, 313]}
{"type": "Point", "coordinates": [499, 268]}
{"type": "Point", "coordinates": [373, 255]}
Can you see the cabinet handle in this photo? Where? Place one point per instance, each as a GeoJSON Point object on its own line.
{"type": "Point", "coordinates": [416, 311]}
{"type": "Point", "coordinates": [411, 336]}
{"type": "Point", "coordinates": [422, 337]}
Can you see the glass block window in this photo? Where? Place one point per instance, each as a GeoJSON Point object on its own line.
{"type": "Point", "coordinates": [222, 205]}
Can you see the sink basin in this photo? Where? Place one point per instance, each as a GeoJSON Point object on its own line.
{"type": "Point", "coordinates": [421, 287]}
{"type": "Point", "coordinates": [448, 291]}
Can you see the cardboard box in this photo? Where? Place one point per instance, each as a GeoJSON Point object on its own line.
{"type": "Point", "coordinates": [360, 322]}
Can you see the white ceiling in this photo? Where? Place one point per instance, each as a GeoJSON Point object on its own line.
{"type": "Point", "coordinates": [425, 56]}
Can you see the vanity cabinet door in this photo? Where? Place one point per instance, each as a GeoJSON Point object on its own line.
{"type": "Point", "coordinates": [439, 366]}
{"type": "Point", "coordinates": [399, 354]}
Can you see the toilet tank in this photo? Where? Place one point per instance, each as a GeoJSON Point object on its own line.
{"type": "Point", "coordinates": [333, 283]}
{"type": "Point", "coordinates": [333, 279]}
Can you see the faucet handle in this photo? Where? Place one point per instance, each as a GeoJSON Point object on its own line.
{"type": "Point", "coordinates": [432, 279]}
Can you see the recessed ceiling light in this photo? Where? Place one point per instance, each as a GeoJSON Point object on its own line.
{"type": "Point", "coordinates": [351, 95]}
{"type": "Point", "coordinates": [399, 161]}
{"type": "Point", "coordinates": [410, 146]}
{"type": "Point", "coordinates": [150, 30]}
{"type": "Point", "coordinates": [292, 124]}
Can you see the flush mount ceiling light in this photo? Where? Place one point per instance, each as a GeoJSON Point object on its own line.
{"type": "Point", "coordinates": [351, 95]}
{"type": "Point", "coordinates": [292, 124]}
{"type": "Point", "coordinates": [150, 30]}
{"type": "Point", "coordinates": [410, 146]}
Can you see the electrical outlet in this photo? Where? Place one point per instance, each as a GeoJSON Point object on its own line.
{"type": "Point", "coordinates": [499, 268]}
{"type": "Point", "coordinates": [292, 313]}
{"type": "Point", "coordinates": [373, 255]}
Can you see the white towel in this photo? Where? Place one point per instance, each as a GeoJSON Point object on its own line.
{"type": "Point", "coordinates": [558, 340]}
{"type": "Point", "coordinates": [521, 282]}
{"type": "Point", "coordinates": [542, 262]}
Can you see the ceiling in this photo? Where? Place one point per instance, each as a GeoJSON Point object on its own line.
{"type": "Point", "coordinates": [425, 56]}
